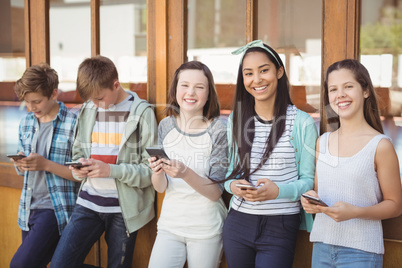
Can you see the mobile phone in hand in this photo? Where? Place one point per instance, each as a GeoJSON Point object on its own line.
{"type": "Point", "coordinates": [246, 186]}
{"type": "Point", "coordinates": [77, 165]}
{"type": "Point", "coordinates": [16, 157]}
{"type": "Point", "coordinates": [157, 152]}
{"type": "Point", "coordinates": [314, 200]}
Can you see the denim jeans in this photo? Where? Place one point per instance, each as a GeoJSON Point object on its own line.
{"type": "Point", "coordinates": [259, 240]}
{"type": "Point", "coordinates": [325, 255]}
{"type": "Point", "coordinates": [84, 229]}
{"type": "Point", "coordinates": [39, 243]}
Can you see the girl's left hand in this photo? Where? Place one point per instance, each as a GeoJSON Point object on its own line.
{"type": "Point", "coordinates": [267, 190]}
{"type": "Point", "coordinates": [174, 168]}
{"type": "Point", "coordinates": [340, 211]}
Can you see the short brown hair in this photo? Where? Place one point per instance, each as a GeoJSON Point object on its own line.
{"type": "Point", "coordinates": [94, 74]}
{"type": "Point", "coordinates": [211, 108]}
{"type": "Point", "coordinates": [37, 78]}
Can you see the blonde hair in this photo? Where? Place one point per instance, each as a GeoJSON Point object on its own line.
{"type": "Point", "coordinates": [94, 74]}
{"type": "Point", "coordinates": [37, 78]}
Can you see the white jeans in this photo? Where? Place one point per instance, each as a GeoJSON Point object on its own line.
{"type": "Point", "coordinates": [170, 250]}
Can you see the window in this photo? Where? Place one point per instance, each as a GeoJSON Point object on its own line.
{"type": "Point", "coordinates": [381, 54]}
{"type": "Point", "coordinates": [70, 41]}
{"type": "Point", "coordinates": [284, 26]}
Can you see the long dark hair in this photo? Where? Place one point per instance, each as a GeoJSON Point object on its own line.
{"type": "Point", "coordinates": [243, 128]}
{"type": "Point", "coordinates": [362, 76]}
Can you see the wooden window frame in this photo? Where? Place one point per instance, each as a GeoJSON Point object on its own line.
{"type": "Point", "coordinates": [167, 45]}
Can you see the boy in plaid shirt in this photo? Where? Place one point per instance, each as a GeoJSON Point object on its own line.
{"type": "Point", "coordinates": [49, 191]}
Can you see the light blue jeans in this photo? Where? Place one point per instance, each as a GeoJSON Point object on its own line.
{"type": "Point", "coordinates": [325, 255]}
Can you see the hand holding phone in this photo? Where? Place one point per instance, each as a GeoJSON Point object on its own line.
{"type": "Point", "coordinates": [75, 164]}
{"type": "Point", "coordinates": [246, 186]}
{"type": "Point", "coordinates": [314, 200]}
{"type": "Point", "coordinates": [16, 157]}
{"type": "Point", "coordinates": [157, 152]}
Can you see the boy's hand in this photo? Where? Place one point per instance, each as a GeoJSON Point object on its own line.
{"type": "Point", "coordinates": [80, 172]}
{"type": "Point", "coordinates": [18, 163]}
{"type": "Point", "coordinates": [33, 162]}
{"type": "Point", "coordinates": [96, 168]}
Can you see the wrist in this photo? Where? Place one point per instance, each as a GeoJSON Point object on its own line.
{"type": "Point", "coordinates": [47, 165]}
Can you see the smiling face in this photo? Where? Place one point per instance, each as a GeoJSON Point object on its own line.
{"type": "Point", "coordinates": [192, 92]}
{"type": "Point", "coordinates": [260, 77]}
{"type": "Point", "coordinates": [345, 94]}
{"type": "Point", "coordinates": [44, 108]}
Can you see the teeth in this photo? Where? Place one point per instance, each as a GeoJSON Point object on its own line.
{"type": "Point", "coordinates": [259, 88]}
{"type": "Point", "coordinates": [343, 104]}
{"type": "Point", "coordinates": [192, 101]}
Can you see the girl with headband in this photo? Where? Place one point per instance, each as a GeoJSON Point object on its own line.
{"type": "Point", "coordinates": [272, 148]}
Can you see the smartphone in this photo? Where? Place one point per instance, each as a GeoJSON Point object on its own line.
{"type": "Point", "coordinates": [314, 200]}
{"type": "Point", "coordinates": [77, 165]}
{"type": "Point", "coordinates": [246, 186]}
{"type": "Point", "coordinates": [16, 156]}
{"type": "Point", "coordinates": [158, 152]}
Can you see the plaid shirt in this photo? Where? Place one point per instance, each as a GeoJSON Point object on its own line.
{"type": "Point", "coordinates": [63, 193]}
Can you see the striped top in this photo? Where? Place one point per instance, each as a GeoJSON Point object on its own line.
{"type": "Point", "coordinates": [100, 194]}
{"type": "Point", "coordinates": [280, 168]}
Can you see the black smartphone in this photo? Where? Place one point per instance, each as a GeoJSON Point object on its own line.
{"type": "Point", "coordinates": [314, 200]}
{"type": "Point", "coordinates": [77, 165]}
{"type": "Point", "coordinates": [158, 152]}
{"type": "Point", "coordinates": [16, 156]}
{"type": "Point", "coordinates": [246, 186]}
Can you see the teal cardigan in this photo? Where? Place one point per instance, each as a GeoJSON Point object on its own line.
{"type": "Point", "coordinates": [303, 140]}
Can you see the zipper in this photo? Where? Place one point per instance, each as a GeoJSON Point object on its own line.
{"type": "Point", "coordinates": [121, 207]}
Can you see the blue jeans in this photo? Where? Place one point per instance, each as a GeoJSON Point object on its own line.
{"type": "Point", "coordinates": [84, 229]}
{"type": "Point", "coordinates": [39, 243]}
{"type": "Point", "coordinates": [325, 255]}
{"type": "Point", "coordinates": [260, 241]}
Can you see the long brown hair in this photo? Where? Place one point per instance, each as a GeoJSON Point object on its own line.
{"type": "Point", "coordinates": [212, 106]}
{"type": "Point", "coordinates": [362, 76]}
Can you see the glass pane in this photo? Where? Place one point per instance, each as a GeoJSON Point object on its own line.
{"type": "Point", "coordinates": [123, 39]}
{"type": "Point", "coordinates": [12, 44]}
{"type": "Point", "coordinates": [215, 29]}
{"type": "Point", "coordinates": [70, 40]}
{"type": "Point", "coordinates": [381, 54]}
{"type": "Point", "coordinates": [12, 66]}
{"type": "Point", "coordinates": [284, 25]}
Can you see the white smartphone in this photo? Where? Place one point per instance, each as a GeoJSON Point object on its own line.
{"type": "Point", "coordinates": [314, 200]}
{"type": "Point", "coordinates": [246, 186]}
